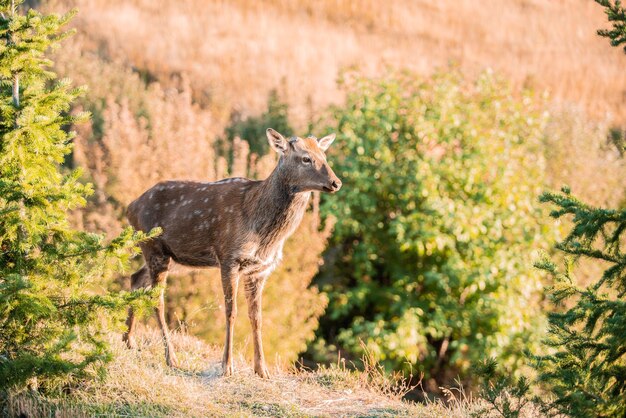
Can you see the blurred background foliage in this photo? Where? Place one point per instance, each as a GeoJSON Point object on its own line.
{"type": "Point", "coordinates": [436, 228]}
{"type": "Point", "coordinates": [253, 127]}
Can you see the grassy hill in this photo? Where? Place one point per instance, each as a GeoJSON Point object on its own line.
{"type": "Point", "coordinates": [139, 384]}
{"type": "Point", "coordinates": [225, 56]}
{"type": "Point", "coordinates": [234, 52]}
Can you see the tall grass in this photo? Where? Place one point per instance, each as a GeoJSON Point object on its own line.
{"type": "Point", "coordinates": [234, 52]}
{"type": "Point", "coordinates": [227, 55]}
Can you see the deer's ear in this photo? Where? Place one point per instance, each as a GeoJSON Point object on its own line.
{"type": "Point", "coordinates": [325, 142]}
{"type": "Point", "coordinates": [276, 140]}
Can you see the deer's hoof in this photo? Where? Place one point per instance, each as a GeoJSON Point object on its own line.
{"type": "Point", "coordinates": [171, 360]}
{"type": "Point", "coordinates": [227, 370]}
{"type": "Point", "coordinates": [262, 372]}
{"type": "Point", "coordinates": [130, 341]}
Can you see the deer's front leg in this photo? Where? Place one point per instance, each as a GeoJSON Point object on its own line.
{"type": "Point", "coordinates": [254, 291]}
{"type": "Point", "coordinates": [230, 282]}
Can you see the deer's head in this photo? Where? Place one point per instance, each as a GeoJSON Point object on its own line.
{"type": "Point", "coordinates": [303, 162]}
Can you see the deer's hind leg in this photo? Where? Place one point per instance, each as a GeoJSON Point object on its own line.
{"type": "Point", "coordinates": [139, 279]}
{"type": "Point", "coordinates": [230, 283]}
{"type": "Point", "coordinates": [158, 265]}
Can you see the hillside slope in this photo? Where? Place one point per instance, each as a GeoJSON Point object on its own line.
{"type": "Point", "coordinates": [235, 52]}
{"type": "Point", "coordinates": [139, 384]}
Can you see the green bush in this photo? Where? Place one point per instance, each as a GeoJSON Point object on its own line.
{"type": "Point", "coordinates": [429, 262]}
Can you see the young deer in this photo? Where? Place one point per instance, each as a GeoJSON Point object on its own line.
{"type": "Point", "coordinates": [236, 224]}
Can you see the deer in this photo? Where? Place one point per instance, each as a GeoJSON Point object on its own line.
{"type": "Point", "coordinates": [237, 224]}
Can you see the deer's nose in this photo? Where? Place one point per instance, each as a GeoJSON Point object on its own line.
{"type": "Point", "coordinates": [335, 185]}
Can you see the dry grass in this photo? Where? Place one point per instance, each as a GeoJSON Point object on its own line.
{"type": "Point", "coordinates": [579, 155]}
{"type": "Point", "coordinates": [227, 56]}
{"type": "Point", "coordinates": [139, 384]}
{"type": "Point", "coordinates": [235, 51]}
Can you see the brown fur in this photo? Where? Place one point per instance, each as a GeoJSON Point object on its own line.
{"type": "Point", "coordinates": [238, 225]}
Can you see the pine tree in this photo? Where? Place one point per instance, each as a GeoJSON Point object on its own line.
{"type": "Point", "coordinates": [616, 14]}
{"type": "Point", "coordinates": [52, 308]}
{"type": "Point", "coordinates": [586, 373]}
{"type": "Point", "coordinates": [587, 370]}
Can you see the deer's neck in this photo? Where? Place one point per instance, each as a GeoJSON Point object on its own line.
{"type": "Point", "coordinates": [278, 209]}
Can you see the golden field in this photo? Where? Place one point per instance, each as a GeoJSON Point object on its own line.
{"type": "Point", "coordinates": [234, 52]}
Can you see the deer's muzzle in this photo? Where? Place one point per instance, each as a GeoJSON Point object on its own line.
{"type": "Point", "coordinates": [333, 186]}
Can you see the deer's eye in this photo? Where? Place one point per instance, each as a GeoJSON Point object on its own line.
{"type": "Point", "coordinates": [306, 160]}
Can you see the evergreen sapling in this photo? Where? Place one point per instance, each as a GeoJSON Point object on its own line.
{"type": "Point", "coordinates": [53, 302]}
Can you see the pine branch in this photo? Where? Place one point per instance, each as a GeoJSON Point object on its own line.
{"type": "Point", "coordinates": [616, 14]}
